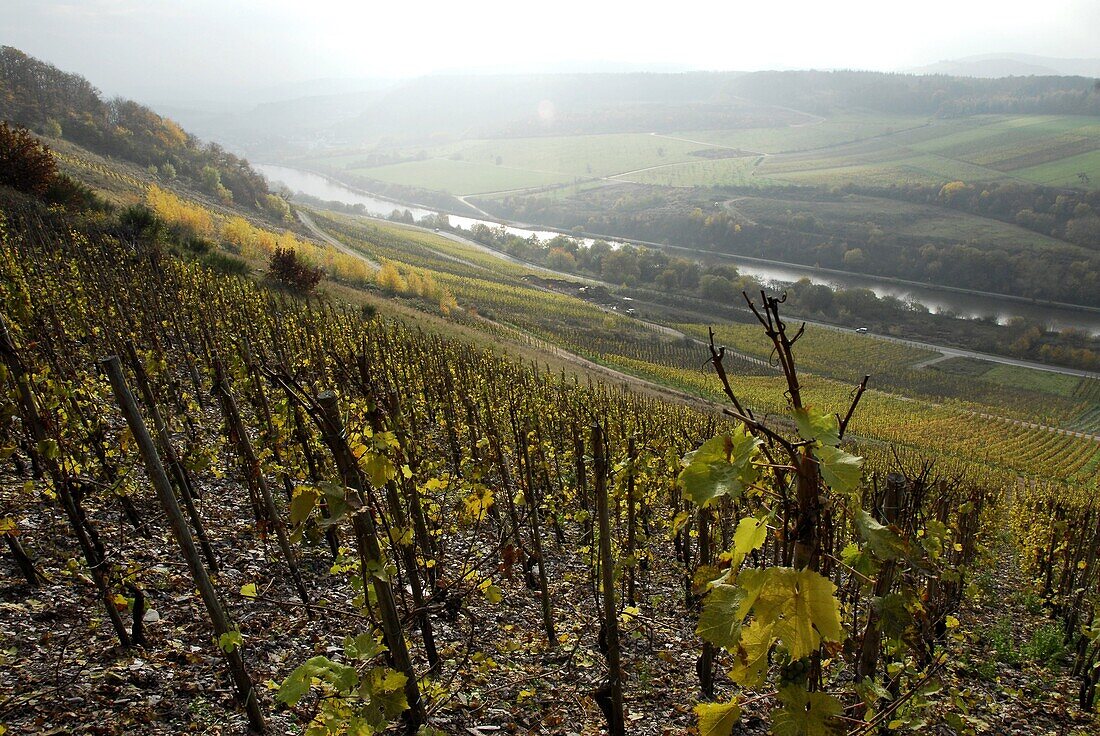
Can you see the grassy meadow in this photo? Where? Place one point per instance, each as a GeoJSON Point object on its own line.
{"type": "Point", "coordinates": [848, 148]}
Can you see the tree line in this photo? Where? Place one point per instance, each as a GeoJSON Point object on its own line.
{"type": "Point", "coordinates": [1068, 272]}
{"type": "Point", "coordinates": [39, 96]}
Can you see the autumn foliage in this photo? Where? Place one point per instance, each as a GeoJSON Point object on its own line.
{"type": "Point", "coordinates": [287, 268]}
{"type": "Point", "coordinates": [25, 164]}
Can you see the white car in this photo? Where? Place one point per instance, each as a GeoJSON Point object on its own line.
{"type": "Point", "coordinates": [862, 330]}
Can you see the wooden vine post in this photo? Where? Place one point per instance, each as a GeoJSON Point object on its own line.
{"type": "Point", "coordinates": [37, 428]}
{"type": "Point", "coordinates": [237, 434]}
{"type": "Point", "coordinates": [371, 558]}
{"type": "Point", "coordinates": [223, 628]}
{"type": "Point", "coordinates": [610, 695]}
{"type": "Point", "coordinates": [180, 476]}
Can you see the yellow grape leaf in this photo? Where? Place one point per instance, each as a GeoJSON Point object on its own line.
{"type": "Point", "coordinates": [750, 661]}
{"type": "Point", "coordinates": [799, 603]}
{"type": "Point", "coordinates": [717, 719]}
{"type": "Point", "coordinates": [806, 714]}
{"type": "Point", "coordinates": [301, 506]}
{"type": "Point", "coordinates": [249, 590]}
{"type": "Point", "coordinates": [477, 503]}
{"type": "Point", "coordinates": [751, 534]}
{"type": "Point", "coordinates": [379, 468]}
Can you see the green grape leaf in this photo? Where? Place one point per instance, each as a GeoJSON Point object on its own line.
{"type": "Point", "coordinates": [49, 449]}
{"type": "Point", "coordinates": [806, 714]}
{"type": "Point", "coordinates": [750, 535]}
{"type": "Point", "coordinates": [801, 606]}
{"type": "Point", "coordinates": [305, 498]}
{"type": "Point", "coordinates": [720, 622]}
{"type": "Point", "coordinates": [860, 560]}
{"type": "Point", "coordinates": [295, 686]}
{"type": "Point", "coordinates": [383, 690]}
{"type": "Point", "coordinates": [249, 590]}
{"type": "Point", "coordinates": [362, 647]}
{"type": "Point", "coordinates": [230, 640]}
{"type": "Point", "coordinates": [718, 719]}
{"type": "Point", "coordinates": [823, 427]}
{"type": "Point", "coordinates": [722, 466]}
{"type": "Point", "coordinates": [894, 615]}
{"type": "Point", "coordinates": [298, 682]}
{"type": "Point", "coordinates": [883, 542]}
{"type": "Point", "coordinates": [750, 661]}
{"type": "Point", "coordinates": [841, 470]}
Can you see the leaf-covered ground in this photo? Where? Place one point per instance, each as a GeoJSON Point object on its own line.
{"type": "Point", "coordinates": [62, 672]}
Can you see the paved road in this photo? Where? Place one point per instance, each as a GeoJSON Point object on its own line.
{"type": "Point", "coordinates": [670, 331]}
{"type": "Point", "coordinates": [945, 352]}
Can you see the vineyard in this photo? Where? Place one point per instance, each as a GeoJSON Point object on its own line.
{"type": "Point", "coordinates": [231, 503]}
{"type": "Point", "coordinates": [328, 521]}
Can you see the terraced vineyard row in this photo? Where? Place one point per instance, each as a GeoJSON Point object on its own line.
{"type": "Point", "coordinates": [431, 473]}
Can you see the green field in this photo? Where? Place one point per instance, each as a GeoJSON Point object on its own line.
{"type": "Point", "coordinates": [850, 147]}
{"type": "Point", "coordinates": [739, 172]}
{"type": "Point", "coordinates": [1064, 173]}
{"type": "Point", "coordinates": [482, 166]}
{"type": "Point", "coordinates": [854, 215]}
{"type": "Point", "coordinates": [461, 177]}
{"type": "Point", "coordinates": [1043, 381]}
{"type": "Point", "coordinates": [1044, 149]}
{"type": "Point", "coordinates": [847, 148]}
{"type": "Point", "coordinates": [834, 131]}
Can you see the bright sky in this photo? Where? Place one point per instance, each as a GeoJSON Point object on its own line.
{"type": "Point", "coordinates": [159, 48]}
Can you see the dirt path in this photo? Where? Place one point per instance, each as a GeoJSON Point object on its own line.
{"type": "Point", "coordinates": [306, 220]}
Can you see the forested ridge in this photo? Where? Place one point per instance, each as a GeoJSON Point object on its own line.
{"type": "Point", "coordinates": [39, 96]}
{"type": "Point", "coordinates": [508, 104]}
{"type": "Point", "coordinates": [1066, 271]}
{"type": "Point", "coordinates": [932, 94]}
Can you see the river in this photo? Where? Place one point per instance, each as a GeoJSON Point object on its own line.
{"type": "Point", "coordinates": [964, 304]}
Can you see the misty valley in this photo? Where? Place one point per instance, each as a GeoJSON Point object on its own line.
{"type": "Point", "coordinates": [479, 390]}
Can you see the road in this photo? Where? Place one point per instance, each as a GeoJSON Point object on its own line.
{"type": "Point", "coordinates": [658, 328]}
{"type": "Point", "coordinates": [316, 230]}
{"type": "Point", "coordinates": [945, 352]}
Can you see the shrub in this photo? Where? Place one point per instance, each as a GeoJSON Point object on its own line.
{"type": "Point", "coordinates": [140, 222]}
{"type": "Point", "coordinates": [25, 164]}
{"type": "Point", "coordinates": [287, 268]}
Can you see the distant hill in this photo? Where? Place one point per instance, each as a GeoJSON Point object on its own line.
{"type": "Point", "coordinates": [824, 92]}
{"type": "Point", "coordinates": [991, 66]}
{"type": "Point", "coordinates": [567, 104]}
{"type": "Point", "coordinates": [269, 125]}
{"type": "Point", "coordinates": [41, 97]}
{"type": "Point", "coordinates": [559, 104]}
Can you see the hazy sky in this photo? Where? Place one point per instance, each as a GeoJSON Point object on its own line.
{"type": "Point", "coordinates": [159, 48]}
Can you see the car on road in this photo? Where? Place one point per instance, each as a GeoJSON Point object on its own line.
{"type": "Point", "coordinates": [862, 330]}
